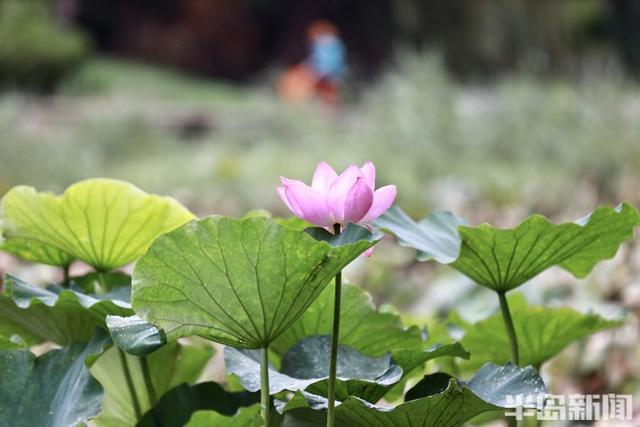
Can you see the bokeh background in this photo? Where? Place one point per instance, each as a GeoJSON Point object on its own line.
{"type": "Point", "coordinates": [494, 109]}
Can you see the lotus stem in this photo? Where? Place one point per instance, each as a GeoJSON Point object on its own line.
{"type": "Point", "coordinates": [335, 335]}
{"type": "Point", "coordinates": [513, 340]}
{"type": "Point", "coordinates": [148, 382]}
{"type": "Point", "coordinates": [103, 289]}
{"type": "Point", "coordinates": [130, 386]}
{"type": "Point", "coordinates": [511, 331]}
{"type": "Point", "coordinates": [265, 402]}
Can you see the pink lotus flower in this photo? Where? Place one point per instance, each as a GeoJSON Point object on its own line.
{"type": "Point", "coordinates": [332, 199]}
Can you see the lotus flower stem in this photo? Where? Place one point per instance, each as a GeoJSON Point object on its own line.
{"type": "Point", "coordinates": [335, 335]}
{"type": "Point", "coordinates": [265, 403]}
{"type": "Point", "coordinates": [337, 200]}
{"type": "Point", "coordinates": [508, 323]}
{"type": "Point", "coordinates": [129, 381]}
{"type": "Point", "coordinates": [148, 382]}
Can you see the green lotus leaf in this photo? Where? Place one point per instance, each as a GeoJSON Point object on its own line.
{"type": "Point", "coordinates": [410, 359]}
{"type": "Point", "coordinates": [246, 417]}
{"type": "Point", "coordinates": [178, 404]}
{"type": "Point", "coordinates": [369, 331]}
{"type": "Point", "coordinates": [542, 332]}
{"type": "Point", "coordinates": [290, 222]}
{"type": "Point", "coordinates": [494, 384]}
{"type": "Point", "coordinates": [12, 325]}
{"type": "Point", "coordinates": [294, 222]}
{"type": "Point", "coordinates": [306, 366]}
{"type": "Point", "coordinates": [434, 237]}
{"type": "Point", "coordinates": [362, 326]}
{"type": "Point", "coordinates": [103, 222]}
{"type": "Point", "coordinates": [351, 234]}
{"type": "Point", "coordinates": [34, 251]}
{"type": "Point", "coordinates": [439, 404]}
{"type": "Point", "coordinates": [134, 335]}
{"type": "Point", "coordinates": [169, 366]}
{"type": "Point", "coordinates": [55, 389]}
{"type": "Point", "coordinates": [239, 282]}
{"type": "Point", "coordinates": [56, 314]}
{"type": "Point", "coordinates": [503, 259]}
{"type": "Point", "coordinates": [428, 386]}
{"type": "Point", "coordinates": [12, 343]}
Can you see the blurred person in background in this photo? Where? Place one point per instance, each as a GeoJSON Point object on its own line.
{"type": "Point", "coordinates": [320, 74]}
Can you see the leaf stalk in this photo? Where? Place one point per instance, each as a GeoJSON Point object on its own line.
{"type": "Point", "coordinates": [148, 382]}
{"type": "Point", "coordinates": [513, 340]}
{"type": "Point", "coordinates": [132, 391]}
{"type": "Point", "coordinates": [265, 402]}
{"type": "Point", "coordinates": [511, 331]}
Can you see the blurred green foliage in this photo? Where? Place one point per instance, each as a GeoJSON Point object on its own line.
{"type": "Point", "coordinates": [517, 145]}
{"type": "Point", "coordinates": [35, 51]}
